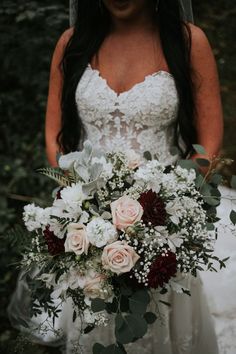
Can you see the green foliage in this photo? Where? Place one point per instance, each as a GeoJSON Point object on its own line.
{"type": "Point", "coordinates": [29, 31]}
{"type": "Point", "coordinates": [56, 175]}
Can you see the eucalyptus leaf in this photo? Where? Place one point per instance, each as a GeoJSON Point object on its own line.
{"type": "Point", "coordinates": [89, 329]}
{"type": "Point", "coordinates": [203, 162]}
{"type": "Point", "coordinates": [98, 348]}
{"type": "Point", "coordinates": [98, 305]}
{"type": "Point", "coordinates": [139, 301]}
{"type": "Point", "coordinates": [216, 179]}
{"type": "Point", "coordinates": [210, 226]}
{"type": "Point", "coordinates": [112, 349]}
{"type": "Point", "coordinates": [174, 151]}
{"type": "Point", "coordinates": [233, 182]}
{"type": "Point", "coordinates": [187, 164]}
{"type": "Point", "coordinates": [119, 321]}
{"type": "Point", "coordinates": [199, 149]}
{"type": "Point", "coordinates": [126, 291]}
{"type": "Point", "coordinates": [147, 155]}
{"type": "Point", "coordinates": [133, 327]}
{"type": "Point", "coordinates": [199, 181]}
{"type": "Point", "coordinates": [233, 217]}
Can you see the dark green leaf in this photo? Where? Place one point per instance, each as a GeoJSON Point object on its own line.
{"type": "Point", "coordinates": [199, 181]}
{"type": "Point", "coordinates": [147, 155]}
{"type": "Point", "coordinates": [233, 217]}
{"type": "Point", "coordinates": [112, 307]}
{"type": "Point", "coordinates": [133, 327]}
{"type": "Point", "coordinates": [210, 226]}
{"type": "Point", "coordinates": [124, 304]}
{"type": "Point", "coordinates": [138, 301]}
{"type": "Point", "coordinates": [98, 348]}
{"type": "Point", "coordinates": [119, 321]}
{"type": "Point", "coordinates": [74, 316]}
{"type": "Point", "coordinates": [98, 305]}
{"type": "Point", "coordinates": [187, 164]}
{"type": "Point", "coordinates": [203, 162]}
{"type": "Point", "coordinates": [89, 329]}
{"type": "Point", "coordinates": [174, 151]}
{"type": "Point", "coordinates": [150, 317]}
{"type": "Point", "coordinates": [233, 182]}
{"type": "Point", "coordinates": [126, 291]}
{"type": "Point", "coordinates": [216, 179]}
{"type": "Point", "coordinates": [113, 349]}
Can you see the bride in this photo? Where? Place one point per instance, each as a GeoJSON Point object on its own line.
{"type": "Point", "coordinates": [135, 74]}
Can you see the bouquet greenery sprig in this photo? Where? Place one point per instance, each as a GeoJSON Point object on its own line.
{"type": "Point", "coordinates": [120, 227]}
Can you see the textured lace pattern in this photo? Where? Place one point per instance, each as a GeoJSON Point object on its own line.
{"type": "Point", "coordinates": [141, 118]}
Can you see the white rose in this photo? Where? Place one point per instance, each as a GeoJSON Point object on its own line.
{"type": "Point", "coordinates": [101, 232]}
{"type": "Point", "coordinates": [119, 257]}
{"type": "Point", "coordinates": [76, 240]}
{"type": "Point", "coordinates": [125, 212]}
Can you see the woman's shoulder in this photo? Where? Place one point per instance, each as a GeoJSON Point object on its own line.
{"type": "Point", "coordinates": [65, 37]}
{"type": "Point", "coordinates": [61, 45]}
{"type": "Point", "coordinates": [202, 55]}
{"type": "Point", "coordinates": [198, 38]}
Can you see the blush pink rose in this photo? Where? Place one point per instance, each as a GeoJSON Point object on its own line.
{"type": "Point", "coordinates": [125, 212]}
{"type": "Point", "coordinates": [93, 287]}
{"type": "Point", "coordinates": [76, 240]}
{"type": "Point", "coordinates": [119, 257]}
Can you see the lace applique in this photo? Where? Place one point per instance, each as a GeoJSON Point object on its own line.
{"type": "Point", "coordinates": [141, 118]}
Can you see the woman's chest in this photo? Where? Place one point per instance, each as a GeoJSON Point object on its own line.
{"type": "Point", "coordinates": [125, 62]}
{"type": "Point", "coordinates": [152, 102]}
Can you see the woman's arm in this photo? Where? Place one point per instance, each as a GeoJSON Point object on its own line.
{"type": "Point", "coordinates": [53, 112]}
{"type": "Point", "coordinates": [209, 115]}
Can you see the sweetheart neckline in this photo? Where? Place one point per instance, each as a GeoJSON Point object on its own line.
{"type": "Point", "coordinates": [156, 73]}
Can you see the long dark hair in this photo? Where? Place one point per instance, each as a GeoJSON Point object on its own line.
{"type": "Point", "coordinates": [90, 30]}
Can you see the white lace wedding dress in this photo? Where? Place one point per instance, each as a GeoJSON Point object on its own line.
{"type": "Point", "coordinates": [143, 119]}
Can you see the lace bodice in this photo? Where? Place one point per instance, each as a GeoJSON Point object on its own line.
{"type": "Point", "coordinates": [141, 118]}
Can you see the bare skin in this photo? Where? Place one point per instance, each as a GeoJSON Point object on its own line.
{"type": "Point", "coordinates": [132, 51]}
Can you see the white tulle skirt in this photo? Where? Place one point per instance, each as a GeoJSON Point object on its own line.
{"type": "Point", "coordinates": [186, 327]}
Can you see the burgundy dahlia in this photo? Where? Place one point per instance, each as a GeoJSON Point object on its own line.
{"type": "Point", "coordinates": [55, 244]}
{"type": "Point", "coordinates": [153, 208]}
{"type": "Point", "coordinates": [58, 195]}
{"type": "Point", "coordinates": [162, 269]}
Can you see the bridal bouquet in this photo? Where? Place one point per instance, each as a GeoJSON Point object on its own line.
{"type": "Point", "coordinates": [119, 226]}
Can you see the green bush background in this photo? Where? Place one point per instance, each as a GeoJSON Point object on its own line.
{"type": "Point", "coordinates": [28, 33]}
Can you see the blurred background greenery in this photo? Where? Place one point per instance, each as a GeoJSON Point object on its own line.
{"type": "Point", "coordinates": [29, 31]}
